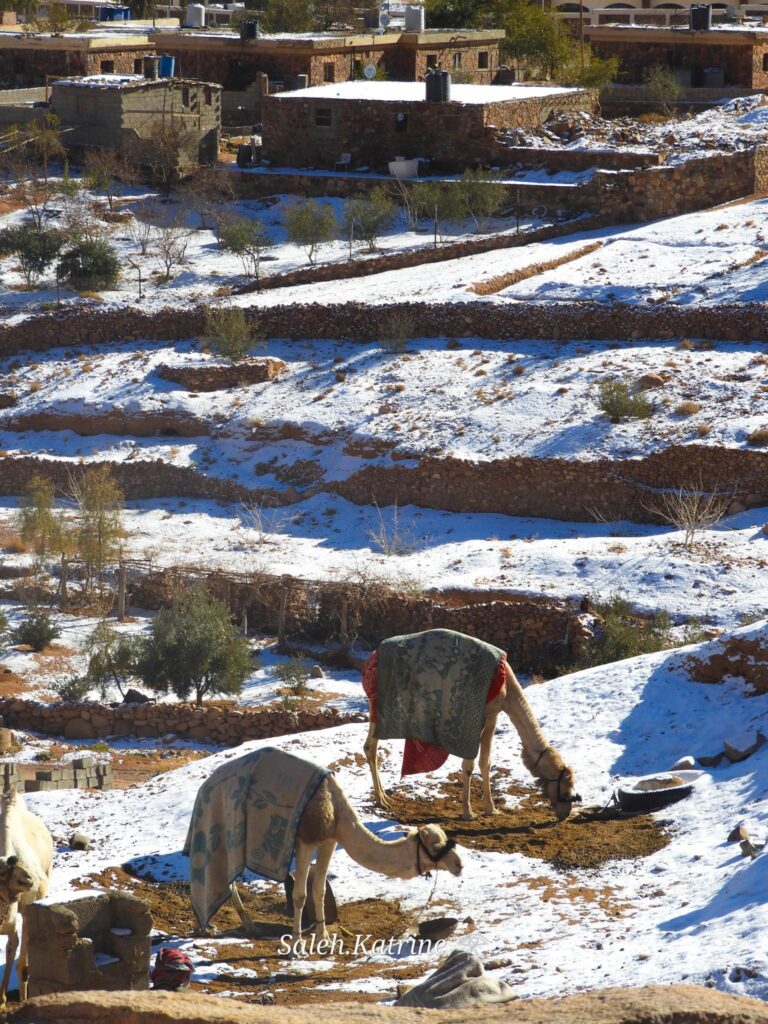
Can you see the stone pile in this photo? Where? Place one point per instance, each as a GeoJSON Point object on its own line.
{"type": "Point", "coordinates": [216, 377]}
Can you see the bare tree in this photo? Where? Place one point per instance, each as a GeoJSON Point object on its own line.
{"type": "Point", "coordinates": [171, 241]}
{"type": "Point", "coordinates": [207, 189]}
{"type": "Point", "coordinates": [691, 509]}
{"type": "Point", "coordinates": [142, 226]}
{"type": "Point", "coordinates": [38, 197]}
{"type": "Point", "coordinates": [108, 171]}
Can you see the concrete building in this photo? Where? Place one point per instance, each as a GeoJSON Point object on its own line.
{"type": "Point", "coordinates": [30, 60]}
{"type": "Point", "coordinates": [728, 55]}
{"type": "Point", "coordinates": [113, 111]}
{"type": "Point", "coordinates": [375, 122]}
{"type": "Point", "coordinates": [653, 12]}
{"type": "Point", "coordinates": [329, 57]}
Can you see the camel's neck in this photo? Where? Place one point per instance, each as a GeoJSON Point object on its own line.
{"type": "Point", "coordinates": [396, 859]}
{"type": "Point", "coordinates": [522, 717]}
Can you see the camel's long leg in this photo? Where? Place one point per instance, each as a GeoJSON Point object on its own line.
{"type": "Point", "coordinates": [242, 913]}
{"type": "Point", "coordinates": [324, 854]}
{"type": "Point", "coordinates": [467, 767]}
{"type": "Point", "coordinates": [372, 755]}
{"type": "Point", "coordinates": [23, 966]}
{"type": "Point", "coordinates": [10, 956]}
{"type": "Point", "coordinates": [486, 742]}
{"type": "Point", "coordinates": [303, 857]}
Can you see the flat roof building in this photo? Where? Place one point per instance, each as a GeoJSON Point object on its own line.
{"type": "Point", "coordinates": [728, 55]}
{"type": "Point", "coordinates": [28, 60]}
{"type": "Point", "coordinates": [375, 122]}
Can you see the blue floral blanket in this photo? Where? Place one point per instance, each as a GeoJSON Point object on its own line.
{"type": "Point", "coordinates": [246, 815]}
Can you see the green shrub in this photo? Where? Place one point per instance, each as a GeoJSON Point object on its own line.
{"type": "Point", "coordinates": [229, 332]}
{"type": "Point", "coordinates": [622, 633]}
{"type": "Point", "coordinates": [248, 239]}
{"type": "Point", "coordinates": [43, 755]}
{"type": "Point", "coordinates": [311, 224]}
{"type": "Point", "coordinates": [618, 400]}
{"type": "Point", "coordinates": [294, 676]}
{"type": "Point", "coordinates": [37, 631]}
{"type": "Point", "coordinates": [76, 688]}
{"type": "Point", "coordinates": [91, 263]}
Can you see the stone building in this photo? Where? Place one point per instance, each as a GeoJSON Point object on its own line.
{"type": "Point", "coordinates": [326, 57]}
{"type": "Point", "coordinates": [29, 60]}
{"type": "Point", "coordinates": [728, 55]}
{"type": "Point", "coordinates": [376, 121]}
{"type": "Point", "coordinates": [110, 111]}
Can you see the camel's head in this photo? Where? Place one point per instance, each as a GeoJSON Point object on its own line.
{"type": "Point", "coordinates": [561, 792]}
{"type": "Point", "coordinates": [15, 880]}
{"type": "Point", "coordinates": [437, 850]}
{"type": "Point", "coordinates": [556, 780]}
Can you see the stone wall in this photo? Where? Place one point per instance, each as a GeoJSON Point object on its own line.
{"type": "Point", "coordinates": [211, 723]}
{"type": "Point", "coordinates": [539, 634]}
{"type": "Point", "coordinates": [212, 377]}
{"type": "Point", "coordinates": [26, 66]}
{"type": "Point", "coordinates": [94, 942]}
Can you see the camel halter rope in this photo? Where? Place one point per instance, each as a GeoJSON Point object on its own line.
{"type": "Point", "coordinates": [573, 799]}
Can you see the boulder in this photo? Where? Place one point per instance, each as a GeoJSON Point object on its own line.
{"type": "Point", "coordinates": [651, 380]}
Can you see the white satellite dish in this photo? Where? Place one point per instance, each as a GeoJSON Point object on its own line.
{"type": "Point", "coordinates": [369, 71]}
{"type": "Point", "coordinates": [384, 20]}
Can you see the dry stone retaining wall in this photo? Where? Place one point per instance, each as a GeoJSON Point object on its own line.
{"type": "Point", "coordinates": [358, 322]}
{"type": "Point", "coordinates": [210, 724]}
{"type": "Point", "coordinates": [217, 377]}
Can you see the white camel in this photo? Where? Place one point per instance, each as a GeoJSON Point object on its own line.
{"type": "Point", "coordinates": [540, 758]}
{"type": "Point", "coordinates": [329, 819]}
{"type": "Point", "coordinates": [26, 857]}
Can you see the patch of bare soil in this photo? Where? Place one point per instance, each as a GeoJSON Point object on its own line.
{"type": "Point", "coordinates": [270, 970]}
{"type": "Point", "coordinates": [12, 685]}
{"type": "Point", "coordinates": [527, 825]}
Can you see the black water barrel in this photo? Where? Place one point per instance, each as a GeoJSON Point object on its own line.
{"type": "Point", "coordinates": [249, 29]}
{"type": "Point", "coordinates": [701, 17]}
{"type": "Point", "coordinates": [434, 84]}
{"type": "Point", "coordinates": [445, 89]}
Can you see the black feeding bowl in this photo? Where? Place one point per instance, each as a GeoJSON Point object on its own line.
{"type": "Point", "coordinates": [438, 928]}
{"type": "Point", "coordinates": [651, 792]}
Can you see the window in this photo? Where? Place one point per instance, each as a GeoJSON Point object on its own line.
{"type": "Point", "coordinates": [329, 72]}
{"type": "Point", "coordinates": [107, 67]}
{"type": "Point", "coordinates": [401, 122]}
{"type": "Point", "coordinates": [357, 69]}
{"type": "Point", "coordinates": [323, 117]}
{"type": "Point", "coordinates": [138, 66]}
{"type": "Point", "coordinates": [185, 96]}
{"type": "Point", "coordinates": [432, 61]}
{"type": "Point", "coordinates": [457, 62]}
{"type": "Point", "coordinates": [482, 60]}
{"type": "Point", "coordinates": [765, 62]}
{"type": "Point", "coordinates": [207, 95]}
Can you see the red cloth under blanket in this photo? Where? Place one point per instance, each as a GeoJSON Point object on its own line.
{"type": "Point", "coordinates": [419, 756]}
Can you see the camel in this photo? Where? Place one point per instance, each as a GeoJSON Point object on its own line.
{"type": "Point", "coordinates": [541, 759]}
{"type": "Point", "coordinates": [26, 857]}
{"type": "Point", "coordinates": [329, 819]}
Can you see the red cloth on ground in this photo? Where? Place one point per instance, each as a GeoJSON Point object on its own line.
{"type": "Point", "coordinates": [419, 756]}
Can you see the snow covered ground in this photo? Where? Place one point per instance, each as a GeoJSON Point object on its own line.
{"type": "Point", "coordinates": [345, 405]}
{"type": "Point", "coordinates": [694, 911]}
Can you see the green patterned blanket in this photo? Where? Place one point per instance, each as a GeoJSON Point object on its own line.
{"type": "Point", "coordinates": [433, 686]}
{"type": "Point", "coordinates": [246, 815]}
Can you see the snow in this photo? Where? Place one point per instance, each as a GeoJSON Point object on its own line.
{"type": "Point", "coordinates": [694, 911]}
{"type": "Point", "coordinates": [413, 92]}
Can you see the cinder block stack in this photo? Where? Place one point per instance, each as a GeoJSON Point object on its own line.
{"type": "Point", "coordinates": [80, 773]}
{"type": "Point", "coordinates": [10, 779]}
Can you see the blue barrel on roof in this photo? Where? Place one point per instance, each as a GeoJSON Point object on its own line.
{"type": "Point", "coordinates": [126, 14]}
{"type": "Point", "coordinates": [167, 66]}
{"type": "Point", "coordinates": [106, 13]}
{"type": "Point", "coordinates": [117, 14]}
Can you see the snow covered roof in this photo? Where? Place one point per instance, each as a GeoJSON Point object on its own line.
{"type": "Point", "coordinates": [126, 81]}
{"type": "Point", "coordinates": [414, 92]}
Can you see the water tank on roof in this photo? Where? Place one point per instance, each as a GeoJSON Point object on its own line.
{"type": "Point", "coordinates": [194, 16]}
{"type": "Point", "coordinates": [106, 13]}
{"type": "Point", "coordinates": [445, 77]}
{"type": "Point", "coordinates": [701, 17]}
{"type": "Point", "coordinates": [434, 86]}
{"type": "Point", "coordinates": [117, 14]}
{"type": "Point", "coordinates": [414, 18]}
{"type": "Point", "coordinates": [167, 66]}
{"type": "Point", "coordinates": [151, 67]}
{"type": "Point", "coordinates": [249, 29]}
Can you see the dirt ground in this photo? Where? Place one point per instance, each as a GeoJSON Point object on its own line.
{"type": "Point", "coordinates": [173, 918]}
{"type": "Point", "coordinates": [527, 825]}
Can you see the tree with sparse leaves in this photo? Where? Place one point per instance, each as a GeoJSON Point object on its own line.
{"type": "Point", "coordinates": [310, 224]}
{"type": "Point", "coordinates": [99, 510]}
{"type": "Point", "coordinates": [367, 217]}
{"type": "Point", "coordinates": [249, 239]}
